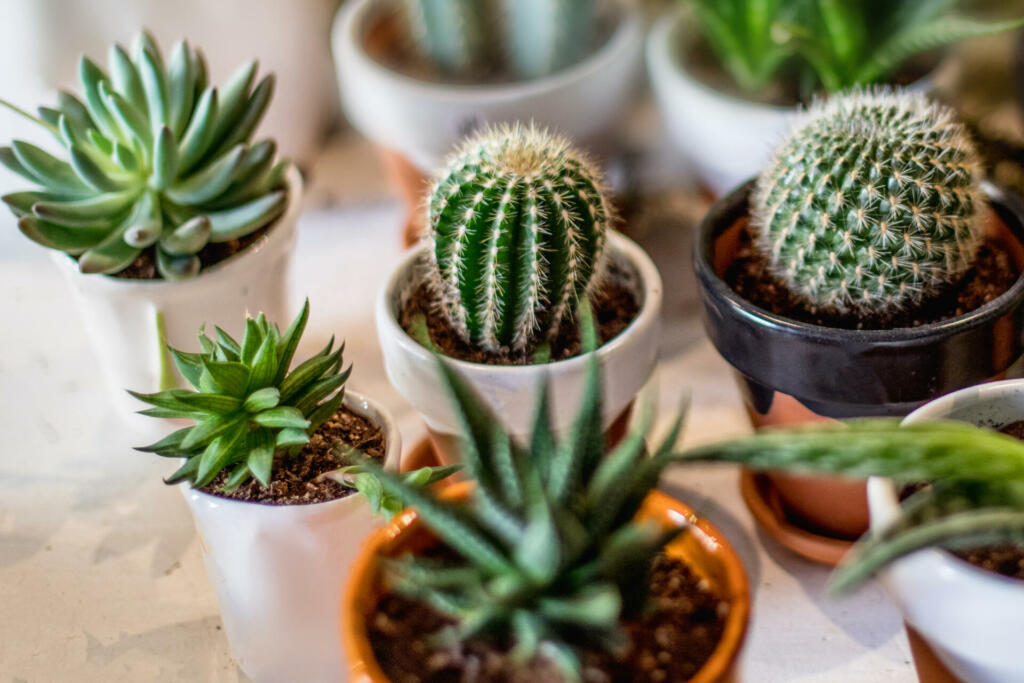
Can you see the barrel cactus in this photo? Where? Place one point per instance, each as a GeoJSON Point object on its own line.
{"type": "Point", "coordinates": [871, 204]}
{"type": "Point", "coordinates": [517, 220]}
{"type": "Point", "coordinates": [455, 34]}
{"type": "Point", "coordinates": [547, 35]}
{"type": "Point", "coordinates": [157, 158]}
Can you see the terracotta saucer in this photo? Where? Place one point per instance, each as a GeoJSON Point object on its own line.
{"type": "Point", "coordinates": [930, 668]}
{"type": "Point", "coordinates": [764, 503]}
{"type": "Point", "coordinates": [422, 454]}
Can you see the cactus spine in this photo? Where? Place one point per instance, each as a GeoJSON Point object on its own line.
{"type": "Point", "coordinates": [454, 34]}
{"type": "Point", "coordinates": [517, 220]}
{"type": "Point", "coordinates": [871, 204]}
{"type": "Point", "coordinates": [544, 36]}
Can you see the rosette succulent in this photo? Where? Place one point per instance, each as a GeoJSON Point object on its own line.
{"type": "Point", "coordinates": [550, 558]}
{"type": "Point", "coordinates": [871, 204]}
{"type": "Point", "coordinates": [157, 158]}
{"type": "Point", "coordinates": [247, 407]}
{"type": "Point", "coordinates": [518, 221]}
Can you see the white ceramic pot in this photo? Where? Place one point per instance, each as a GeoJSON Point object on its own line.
{"type": "Point", "coordinates": [972, 619]}
{"type": "Point", "coordinates": [510, 390]}
{"type": "Point", "coordinates": [423, 120]}
{"type": "Point", "coordinates": [120, 316]}
{"type": "Point", "coordinates": [725, 138]}
{"type": "Point", "coordinates": [278, 572]}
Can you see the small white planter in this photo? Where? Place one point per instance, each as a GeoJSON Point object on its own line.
{"type": "Point", "coordinates": [972, 619]}
{"type": "Point", "coordinates": [120, 316]}
{"type": "Point", "coordinates": [423, 120]}
{"type": "Point", "coordinates": [510, 390]}
{"type": "Point", "coordinates": [726, 139]}
{"type": "Point", "coordinates": [278, 571]}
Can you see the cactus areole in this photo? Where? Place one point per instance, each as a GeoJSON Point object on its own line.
{"type": "Point", "coordinates": [872, 204]}
{"type": "Point", "coordinates": [517, 220]}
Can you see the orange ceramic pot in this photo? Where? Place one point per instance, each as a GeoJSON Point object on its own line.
{"type": "Point", "coordinates": [704, 549]}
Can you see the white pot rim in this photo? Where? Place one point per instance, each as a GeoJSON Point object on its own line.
{"type": "Point", "coordinates": [883, 500]}
{"type": "Point", "coordinates": [355, 402]}
{"type": "Point", "coordinates": [664, 63]}
{"type": "Point", "coordinates": [281, 232]}
{"type": "Point", "coordinates": [650, 310]}
{"type": "Point", "coordinates": [348, 29]}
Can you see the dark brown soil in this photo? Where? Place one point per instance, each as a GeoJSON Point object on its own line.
{"type": "Point", "coordinates": [144, 267]}
{"type": "Point", "coordinates": [295, 481]}
{"type": "Point", "coordinates": [993, 273]}
{"type": "Point", "coordinates": [1005, 559]}
{"type": "Point", "coordinates": [670, 643]}
{"type": "Point", "coordinates": [614, 305]}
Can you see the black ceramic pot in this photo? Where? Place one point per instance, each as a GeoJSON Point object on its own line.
{"type": "Point", "coordinates": [792, 371]}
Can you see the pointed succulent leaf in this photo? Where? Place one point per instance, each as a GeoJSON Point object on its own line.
{"type": "Point", "coordinates": [282, 417]}
{"type": "Point", "coordinates": [262, 399]}
{"type": "Point", "coordinates": [261, 455]}
{"type": "Point", "coordinates": [289, 437]}
{"type": "Point", "coordinates": [188, 238]}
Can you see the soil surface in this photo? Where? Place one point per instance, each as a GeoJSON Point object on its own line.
{"type": "Point", "coordinates": [144, 267]}
{"type": "Point", "coordinates": [1006, 559]}
{"type": "Point", "coordinates": [993, 273]}
{"type": "Point", "coordinates": [615, 307]}
{"type": "Point", "coordinates": [670, 643]}
{"type": "Point", "coordinates": [295, 481]}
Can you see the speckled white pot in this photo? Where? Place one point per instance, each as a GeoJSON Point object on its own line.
{"type": "Point", "coordinates": [423, 120]}
{"type": "Point", "coordinates": [120, 315]}
{"type": "Point", "coordinates": [971, 618]}
{"type": "Point", "coordinates": [510, 390]}
{"type": "Point", "coordinates": [278, 571]}
{"type": "Point", "coordinates": [727, 139]}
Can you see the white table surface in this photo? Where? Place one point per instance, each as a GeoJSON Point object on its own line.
{"type": "Point", "coordinates": [100, 572]}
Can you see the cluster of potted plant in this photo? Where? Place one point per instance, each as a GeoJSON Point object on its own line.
{"type": "Point", "coordinates": [730, 75]}
{"type": "Point", "coordinates": [416, 76]}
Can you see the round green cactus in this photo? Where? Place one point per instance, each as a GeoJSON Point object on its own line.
{"type": "Point", "coordinates": [518, 220]}
{"type": "Point", "coordinates": [157, 158]}
{"type": "Point", "coordinates": [871, 204]}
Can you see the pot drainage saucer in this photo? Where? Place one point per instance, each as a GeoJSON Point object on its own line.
{"type": "Point", "coordinates": [765, 505]}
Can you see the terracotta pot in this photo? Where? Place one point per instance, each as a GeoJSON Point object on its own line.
{"type": "Point", "coordinates": [705, 549]}
{"type": "Point", "coordinates": [412, 185]}
{"type": "Point", "coordinates": [791, 372]}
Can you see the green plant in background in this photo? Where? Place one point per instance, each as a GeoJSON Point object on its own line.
{"type": "Point", "coordinates": [976, 496]}
{"type": "Point", "coordinates": [550, 558]}
{"type": "Point", "coordinates": [157, 158]}
{"type": "Point", "coordinates": [247, 408]}
{"type": "Point", "coordinates": [526, 38]}
{"type": "Point", "coordinates": [871, 203]}
{"type": "Point", "coordinates": [518, 221]}
{"type": "Point", "coordinates": [832, 44]}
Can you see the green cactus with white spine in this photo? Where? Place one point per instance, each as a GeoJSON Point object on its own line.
{"type": "Point", "coordinates": [158, 159]}
{"type": "Point", "coordinates": [518, 221]}
{"type": "Point", "coordinates": [544, 36]}
{"type": "Point", "coordinates": [871, 204]}
{"type": "Point", "coordinates": [454, 34]}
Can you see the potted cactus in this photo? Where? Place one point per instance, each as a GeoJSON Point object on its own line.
{"type": "Point", "coordinates": [951, 553]}
{"type": "Point", "coordinates": [166, 212]}
{"type": "Point", "coordinates": [263, 471]}
{"type": "Point", "coordinates": [519, 243]}
{"type": "Point", "coordinates": [730, 75]}
{"type": "Point", "coordinates": [866, 271]}
{"type": "Point", "coordinates": [555, 562]}
{"type": "Point", "coordinates": [418, 75]}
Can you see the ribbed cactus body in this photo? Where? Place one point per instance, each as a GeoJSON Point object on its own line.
{"type": "Point", "coordinates": [544, 36]}
{"type": "Point", "coordinates": [454, 34]}
{"type": "Point", "coordinates": [871, 204]}
{"type": "Point", "coordinates": [518, 221]}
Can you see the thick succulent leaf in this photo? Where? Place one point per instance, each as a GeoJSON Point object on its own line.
{"type": "Point", "coordinates": [198, 136]}
{"type": "Point", "coordinates": [226, 341]}
{"type": "Point", "coordinates": [238, 476]}
{"type": "Point", "coordinates": [21, 203]}
{"type": "Point", "coordinates": [10, 161]}
{"type": "Point", "coordinates": [101, 209]}
{"type": "Point", "coordinates": [264, 368]}
{"type": "Point", "coordinates": [186, 472]}
{"type": "Point", "coordinates": [165, 399]}
{"type": "Point", "coordinates": [180, 88]}
{"type": "Point", "coordinates": [175, 268]}
{"type": "Point", "coordinates": [165, 159]}
{"type": "Point", "coordinates": [209, 429]}
{"type": "Point", "coordinates": [154, 83]}
{"type": "Point", "coordinates": [190, 365]}
{"type": "Point", "coordinates": [261, 455]}
{"type": "Point", "coordinates": [596, 605]}
{"type": "Point", "coordinates": [56, 175]}
{"type": "Point", "coordinates": [110, 256]}
{"type": "Point", "coordinates": [290, 341]}
{"type": "Point", "coordinates": [131, 122]}
{"type": "Point", "coordinates": [208, 182]}
{"type": "Point", "coordinates": [258, 161]}
{"type": "Point", "coordinates": [307, 373]}
{"type": "Point", "coordinates": [188, 238]}
{"type": "Point", "coordinates": [125, 158]}
{"type": "Point", "coordinates": [232, 378]}
{"type": "Point", "coordinates": [539, 551]}
{"type": "Point", "coordinates": [250, 115]}
{"type": "Point", "coordinates": [64, 238]}
{"type": "Point", "coordinates": [215, 404]}
{"type": "Point", "coordinates": [230, 224]}
{"type": "Point", "coordinates": [220, 453]}
{"type": "Point", "coordinates": [170, 445]}
{"type": "Point", "coordinates": [261, 399]}
{"type": "Point", "coordinates": [578, 454]}
{"type": "Point", "coordinates": [73, 108]}
{"type": "Point", "coordinates": [90, 172]}
{"type": "Point", "coordinates": [281, 417]}
{"type": "Point", "coordinates": [125, 78]}
{"type": "Point", "coordinates": [232, 101]}
{"type": "Point", "coordinates": [287, 438]}
{"type": "Point", "coordinates": [91, 77]}
{"type": "Point", "coordinates": [320, 390]}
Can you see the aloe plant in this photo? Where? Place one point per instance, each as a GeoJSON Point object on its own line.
{"type": "Point", "coordinates": [247, 407]}
{"type": "Point", "coordinates": [157, 158]}
{"type": "Point", "coordinates": [549, 554]}
{"type": "Point", "coordinates": [832, 44]}
{"type": "Point", "coordinates": [977, 475]}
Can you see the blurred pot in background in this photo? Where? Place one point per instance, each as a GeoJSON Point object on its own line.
{"type": "Point", "coordinates": [45, 38]}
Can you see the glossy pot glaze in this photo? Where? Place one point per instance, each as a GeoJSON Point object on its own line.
{"type": "Point", "coordinates": [704, 549]}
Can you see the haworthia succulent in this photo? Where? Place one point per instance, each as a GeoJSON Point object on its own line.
{"type": "Point", "coordinates": [155, 161]}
